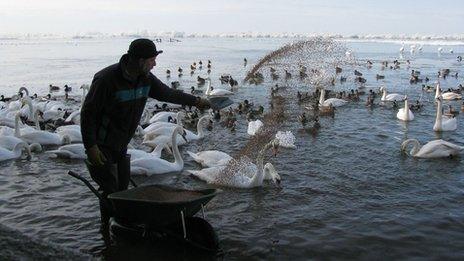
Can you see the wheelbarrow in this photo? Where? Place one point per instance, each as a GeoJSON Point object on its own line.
{"type": "Point", "coordinates": [160, 211]}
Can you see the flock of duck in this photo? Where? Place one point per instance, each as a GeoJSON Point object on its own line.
{"type": "Point", "coordinates": [445, 121]}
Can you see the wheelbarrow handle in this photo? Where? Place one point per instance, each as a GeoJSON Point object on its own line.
{"type": "Point", "coordinates": [87, 183]}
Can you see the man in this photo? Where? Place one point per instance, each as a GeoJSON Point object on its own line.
{"type": "Point", "coordinates": [112, 110]}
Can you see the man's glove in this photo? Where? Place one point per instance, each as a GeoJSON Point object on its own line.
{"type": "Point", "coordinates": [95, 156]}
{"type": "Point", "coordinates": [202, 104]}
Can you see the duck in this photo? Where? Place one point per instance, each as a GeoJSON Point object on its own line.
{"type": "Point", "coordinates": [335, 102]}
{"type": "Point", "coordinates": [433, 149]}
{"type": "Point", "coordinates": [248, 176]}
{"type": "Point", "coordinates": [405, 114]}
{"type": "Point", "coordinates": [153, 165]}
{"type": "Point", "coordinates": [17, 152]}
{"type": "Point", "coordinates": [443, 123]}
{"type": "Point", "coordinates": [390, 97]}
{"type": "Point", "coordinates": [210, 158]}
{"type": "Point", "coordinates": [216, 92]}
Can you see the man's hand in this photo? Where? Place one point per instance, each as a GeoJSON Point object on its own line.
{"type": "Point", "coordinates": [95, 156]}
{"type": "Point", "coordinates": [202, 104]}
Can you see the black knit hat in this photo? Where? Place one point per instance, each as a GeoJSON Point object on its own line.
{"type": "Point", "coordinates": [143, 48]}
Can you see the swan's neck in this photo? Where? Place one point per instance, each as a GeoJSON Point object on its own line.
{"type": "Point", "coordinates": [158, 149]}
{"type": "Point", "coordinates": [438, 119]}
{"type": "Point", "coordinates": [259, 176]}
{"type": "Point", "coordinates": [437, 91]}
{"type": "Point", "coordinates": [416, 147]}
{"type": "Point", "coordinates": [17, 131]}
{"type": "Point", "coordinates": [36, 119]}
{"type": "Point", "coordinates": [208, 88]}
{"type": "Point", "coordinates": [200, 131]}
{"type": "Point", "coordinates": [25, 90]}
{"type": "Point", "coordinates": [175, 149]}
{"type": "Point", "coordinates": [31, 107]}
{"type": "Point", "coordinates": [406, 109]}
{"type": "Point", "coordinates": [384, 94]}
{"type": "Point", "coordinates": [321, 98]}
{"type": "Point", "coordinates": [83, 95]}
{"type": "Point", "coordinates": [179, 119]}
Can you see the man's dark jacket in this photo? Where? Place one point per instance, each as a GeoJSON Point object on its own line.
{"type": "Point", "coordinates": [114, 105]}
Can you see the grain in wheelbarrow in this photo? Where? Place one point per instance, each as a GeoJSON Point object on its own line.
{"type": "Point", "coordinates": [163, 195]}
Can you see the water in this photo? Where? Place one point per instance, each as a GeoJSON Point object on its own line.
{"type": "Point", "coordinates": [346, 193]}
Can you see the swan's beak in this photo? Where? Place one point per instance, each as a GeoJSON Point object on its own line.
{"type": "Point", "coordinates": [184, 136]}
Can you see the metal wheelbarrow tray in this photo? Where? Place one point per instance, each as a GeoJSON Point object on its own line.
{"type": "Point", "coordinates": [158, 205]}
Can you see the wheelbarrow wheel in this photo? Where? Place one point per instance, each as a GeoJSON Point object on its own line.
{"type": "Point", "coordinates": [200, 234]}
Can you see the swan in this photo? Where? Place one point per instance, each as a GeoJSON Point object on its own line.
{"type": "Point", "coordinates": [163, 116]}
{"type": "Point", "coordinates": [74, 134]}
{"type": "Point", "coordinates": [41, 137]}
{"type": "Point", "coordinates": [85, 88]}
{"type": "Point", "coordinates": [210, 158]}
{"type": "Point", "coordinates": [254, 126]}
{"type": "Point", "coordinates": [164, 131]}
{"type": "Point", "coordinates": [164, 123]}
{"type": "Point", "coordinates": [6, 154]}
{"type": "Point", "coordinates": [446, 95]}
{"type": "Point", "coordinates": [153, 165]}
{"type": "Point", "coordinates": [390, 97]}
{"type": "Point", "coordinates": [216, 92]}
{"type": "Point", "coordinates": [444, 123]}
{"type": "Point", "coordinates": [433, 149]}
{"type": "Point", "coordinates": [334, 101]}
{"type": "Point", "coordinates": [137, 154]}
{"type": "Point", "coordinates": [402, 48]}
{"type": "Point", "coordinates": [69, 151]}
{"type": "Point", "coordinates": [239, 179]}
{"type": "Point", "coordinates": [405, 114]}
{"type": "Point", "coordinates": [74, 117]}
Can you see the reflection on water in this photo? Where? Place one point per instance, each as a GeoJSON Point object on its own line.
{"type": "Point", "coordinates": [347, 191]}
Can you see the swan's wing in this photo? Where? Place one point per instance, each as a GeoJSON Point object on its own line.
{"type": "Point", "coordinates": [449, 124]}
{"type": "Point", "coordinates": [438, 149]}
{"type": "Point", "coordinates": [209, 175]}
{"type": "Point", "coordinates": [210, 158]}
{"type": "Point", "coordinates": [64, 154]}
{"type": "Point", "coordinates": [138, 170]}
{"type": "Point", "coordinates": [155, 165]}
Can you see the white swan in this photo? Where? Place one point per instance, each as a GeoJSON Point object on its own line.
{"type": "Point", "coordinates": [152, 165]}
{"type": "Point", "coordinates": [444, 123]}
{"type": "Point", "coordinates": [210, 158]}
{"type": "Point", "coordinates": [446, 95]}
{"type": "Point", "coordinates": [74, 117]}
{"type": "Point", "coordinates": [41, 137]}
{"type": "Point", "coordinates": [249, 176]}
{"type": "Point", "coordinates": [254, 127]}
{"type": "Point", "coordinates": [157, 124]}
{"type": "Point", "coordinates": [70, 151]}
{"type": "Point", "coordinates": [210, 91]}
{"type": "Point", "coordinates": [405, 114]}
{"type": "Point", "coordinates": [6, 154]}
{"type": "Point", "coordinates": [138, 154]}
{"type": "Point", "coordinates": [433, 149]}
{"type": "Point", "coordinates": [334, 101]}
{"type": "Point", "coordinates": [167, 130]}
{"type": "Point", "coordinates": [391, 97]}
{"type": "Point", "coordinates": [73, 133]}
{"type": "Point", "coordinates": [163, 116]}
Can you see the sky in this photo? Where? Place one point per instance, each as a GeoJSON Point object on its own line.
{"type": "Point", "coordinates": [444, 17]}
